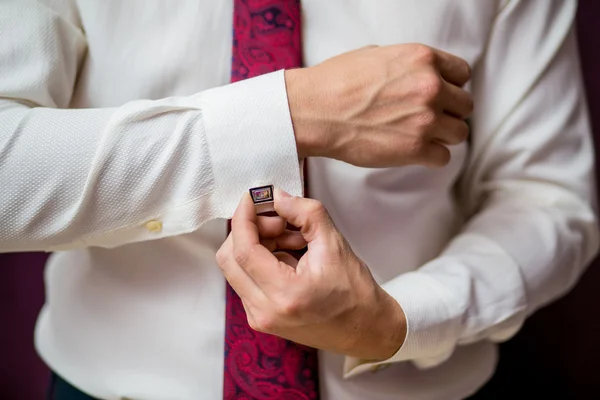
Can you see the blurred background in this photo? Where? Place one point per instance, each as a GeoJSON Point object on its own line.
{"type": "Point", "coordinates": [555, 356]}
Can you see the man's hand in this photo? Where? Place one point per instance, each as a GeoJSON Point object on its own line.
{"type": "Point", "coordinates": [381, 106]}
{"type": "Point", "coordinates": [327, 300]}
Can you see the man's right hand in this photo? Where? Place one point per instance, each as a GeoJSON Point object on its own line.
{"type": "Point", "coordinates": [381, 106]}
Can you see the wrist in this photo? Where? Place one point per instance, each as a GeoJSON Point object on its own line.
{"type": "Point", "coordinates": [387, 328]}
{"type": "Point", "coordinates": [304, 102]}
{"type": "Point", "coordinates": [379, 330]}
{"type": "Point", "coordinates": [392, 325]}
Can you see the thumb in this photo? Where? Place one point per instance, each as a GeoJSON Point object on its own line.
{"type": "Point", "coordinates": [309, 215]}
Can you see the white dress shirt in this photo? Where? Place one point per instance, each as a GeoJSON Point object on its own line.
{"type": "Point", "coordinates": [122, 150]}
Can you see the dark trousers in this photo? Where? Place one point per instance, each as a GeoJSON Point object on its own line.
{"type": "Point", "coordinates": [61, 390]}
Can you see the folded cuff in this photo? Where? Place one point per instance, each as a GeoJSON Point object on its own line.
{"type": "Point", "coordinates": [250, 139]}
{"type": "Point", "coordinates": [432, 327]}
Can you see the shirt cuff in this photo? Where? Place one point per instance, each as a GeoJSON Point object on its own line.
{"type": "Point", "coordinates": [250, 139]}
{"type": "Point", "coordinates": [433, 327]}
{"type": "Point", "coordinates": [247, 129]}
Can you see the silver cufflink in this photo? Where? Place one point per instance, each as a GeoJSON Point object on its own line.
{"type": "Point", "coordinates": [262, 194]}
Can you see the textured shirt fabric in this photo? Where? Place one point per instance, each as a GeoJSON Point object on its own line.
{"type": "Point", "coordinates": [123, 151]}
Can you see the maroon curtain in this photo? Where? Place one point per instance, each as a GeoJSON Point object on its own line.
{"type": "Point", "coordinates": [555, 356]}
{"type": "Point", "coordinates": [23, 376]}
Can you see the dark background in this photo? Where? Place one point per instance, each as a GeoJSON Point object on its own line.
{"type": "Point", "coordinates": [555, 356]}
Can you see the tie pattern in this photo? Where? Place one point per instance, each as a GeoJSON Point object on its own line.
{"type": "Point", "coordinates": [266, 37]}
{"type": "Point", "coordinates": [258, 366]}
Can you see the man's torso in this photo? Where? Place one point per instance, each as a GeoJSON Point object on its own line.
{"type": "Point", "coordinates": [146, 321]}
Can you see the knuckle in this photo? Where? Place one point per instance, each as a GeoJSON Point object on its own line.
{"type": "Point", "coordinates": [241, 255]}
{"type": "Point", "coordinates": [262, 323]}
{"type": "Point", "coordinates": [289, 307]}
{"type": "Point", "coordinates": [417, 146]}
{"type": "Point", "coordinates": [429, 86]}
{"type": "Point", "coordinates": [426, 119]}
{"type": "Point", "coordinates": [221, 257]}
{"type": "Point", "coordinates": [424, 54]}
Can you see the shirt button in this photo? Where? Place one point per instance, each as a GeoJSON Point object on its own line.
{"type": "Point", "coordinates": [154, 226]}
{"type": "Point", "coordinates": [379, 367]}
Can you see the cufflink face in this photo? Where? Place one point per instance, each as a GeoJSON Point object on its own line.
{"type": "Point", "coordinates": [262, 194]}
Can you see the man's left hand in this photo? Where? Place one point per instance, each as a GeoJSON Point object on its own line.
{"type": "Point", "coordinates": [328, 299]}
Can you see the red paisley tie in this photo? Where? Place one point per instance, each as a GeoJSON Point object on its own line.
{"type": "Point", "coordinates": [266, 38]}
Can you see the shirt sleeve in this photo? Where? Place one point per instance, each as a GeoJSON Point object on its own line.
{"type": "Point", "coordinates": [527, 192]}
{"type": "Point", "coordinates": [145, 170]}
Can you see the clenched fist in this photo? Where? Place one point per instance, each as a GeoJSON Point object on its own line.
{"type": "Point", "coordinates": [381, 106]}
{"type": "Point", "coordinates": [327, 300]}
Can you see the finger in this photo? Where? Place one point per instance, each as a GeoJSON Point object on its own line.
{"type": "Point", "coordinates": [288, 240]}
{"type": "Point", "coordinates": [434, 155]}
{"type": "Point", "coordinates": [291, 240]}
{"type": "Point", "coordinates": [456, 101]}
{"type": "Point", "coordinates": [244, 224]}
{"type": "Point", "coordinates": [269, 244]}
{"type": "Point", "coordinates": [307, 214]}
{"type": "Point", "coordinates": [286, 258]}
{"type": "Point", "coordinates": [450, 130]}
{"type": "Point", "coordinates": [452, 68]}
{"type": "Point", "coordinates": [258, 262]}
{"type": "Point", "coordinates": [239, 280]}
{"type": "Point", "coordinates": [270, 227]}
